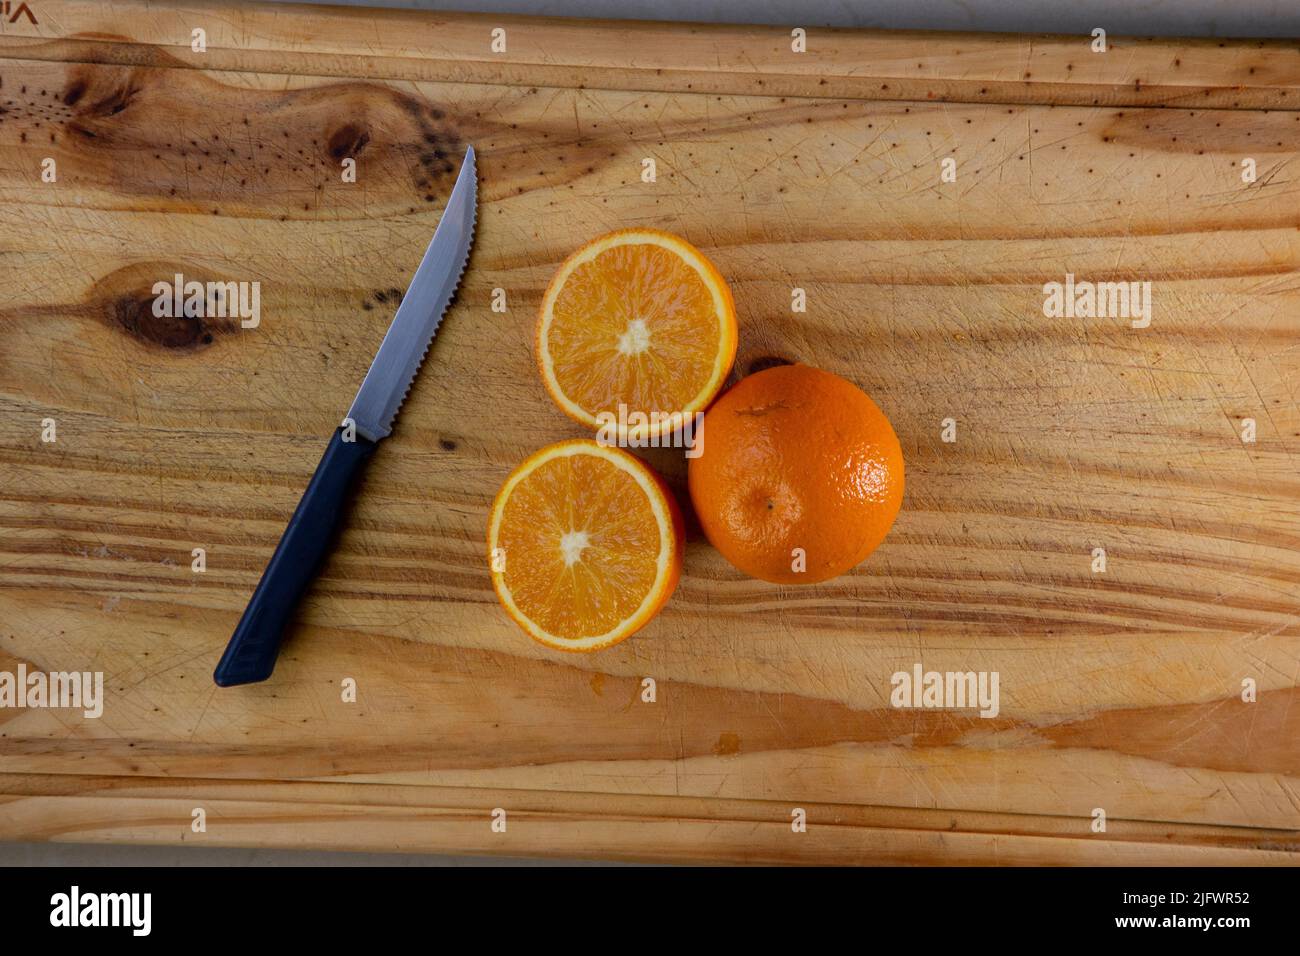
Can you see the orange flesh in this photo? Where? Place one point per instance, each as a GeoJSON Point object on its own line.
{"type": "Point", "coordinates": [635, 324]}
{"type": "Point", "coordinates": [582, 545]}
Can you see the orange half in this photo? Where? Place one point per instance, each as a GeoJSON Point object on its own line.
{"type": "Point", "coordinates": [584, 545]}
{"type": "Point", "coordinates": [637, 318]}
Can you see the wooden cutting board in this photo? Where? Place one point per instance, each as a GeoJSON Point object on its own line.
{"type": "Point", "coordinates": [1120, 690]}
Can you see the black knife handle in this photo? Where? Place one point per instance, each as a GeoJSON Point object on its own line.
{"type": "Point", "coordinates": [250, 655]}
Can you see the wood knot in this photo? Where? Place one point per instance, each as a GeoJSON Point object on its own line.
{"type": "Point", "coordinates": [131, 305]}
{"type": "Point", "coordinates": [75, 91]}
{"type": "Point", "coordinates": [347, 141]}
{"type": "Point", "coordinates": [135, 315]}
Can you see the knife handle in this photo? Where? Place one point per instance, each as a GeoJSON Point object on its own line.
{"type": "Point", "coordinates": [250, 655]}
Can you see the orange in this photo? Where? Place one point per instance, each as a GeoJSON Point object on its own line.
{"type": "Point", "coordinates": [637, 318]}
{"type": "Point", "coordinates": [585, 545]}
{"type": "Point", "coordinates": [799, 466]}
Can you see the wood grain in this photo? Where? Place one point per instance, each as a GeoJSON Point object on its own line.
{"type": "Point", "coordinates": [1119, 690]}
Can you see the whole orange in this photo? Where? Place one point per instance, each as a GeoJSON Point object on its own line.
{"type": "Point", "coordinates": [800, 477]}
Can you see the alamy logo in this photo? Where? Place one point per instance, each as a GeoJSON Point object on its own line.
{"type": "Point", "coordinates": [1098, 300]}
{"type": "Point", "coordinates": [211, 300]}
{"type": "Point", "coordinates": [75, 908]}
{"type": "Point", "coordinates": [946, 690]}
{"type": "Point", "coordinates": [636, 429]}
{"type": "Point", "coordinates": [10, 12]}
{"type": "Point", "coordinates": [76, 690]}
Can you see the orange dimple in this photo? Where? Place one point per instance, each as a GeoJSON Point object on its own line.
{"type": "Point", "coordinates": [796, 462]}
{"type": "Point", "coordinates": [585, 543]}
{"type": "Point", "coordinates": [638, 318]}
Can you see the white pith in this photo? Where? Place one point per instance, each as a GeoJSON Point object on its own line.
{"type": "Point", "coordinates": [635, 338]}
{"type": "Point", "coordinates": [572, 544]}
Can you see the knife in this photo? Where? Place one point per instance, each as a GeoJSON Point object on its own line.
{"type": "Point", "coordinates": [250, 655]}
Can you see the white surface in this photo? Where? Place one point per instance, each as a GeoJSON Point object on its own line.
{"type": "Point", "coordinates": [1214, 18]}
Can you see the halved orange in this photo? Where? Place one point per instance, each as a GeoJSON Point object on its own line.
{"type": "Point", "coordinates": [584, 544]}
{"type": "Point", "coordinates": [637, 318]}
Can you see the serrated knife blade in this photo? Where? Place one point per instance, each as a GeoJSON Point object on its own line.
{"type": "Point", "coordinates": [418, 317]}
{"type": "Point", "coordinates": [251, 653]}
